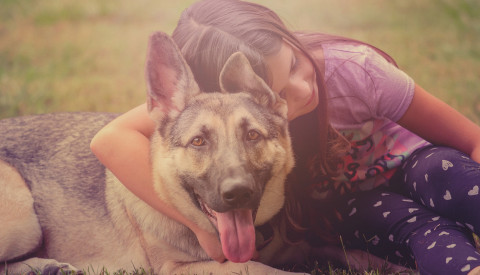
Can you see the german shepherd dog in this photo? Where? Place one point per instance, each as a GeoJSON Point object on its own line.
{"type": "Point", "coordinates": [219, 158]}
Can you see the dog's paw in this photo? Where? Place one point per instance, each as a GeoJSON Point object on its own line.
{"type": "Point", "coordinates": [61, 269]}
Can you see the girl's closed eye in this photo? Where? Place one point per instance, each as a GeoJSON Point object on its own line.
{"type": "Point", "coordinates": [293, 67]}
{"type": "Point", "coordinates": [294, 64]}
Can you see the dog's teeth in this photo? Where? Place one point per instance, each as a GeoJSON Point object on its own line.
{"type": "Point", "coordinates": [206, 209]}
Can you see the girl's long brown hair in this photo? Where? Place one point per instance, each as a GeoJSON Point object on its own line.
{"type": "Point", "coordinates": [209, 31]}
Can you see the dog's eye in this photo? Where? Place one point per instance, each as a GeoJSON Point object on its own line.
{"type": "Point", "coordinates": [252, 135]}
{"type": "Point", "coordinates": [198, 141]}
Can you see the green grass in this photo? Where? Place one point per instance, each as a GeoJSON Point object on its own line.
{"type": "Point", "coordinates": [67, 55]}
{"type": "Point", "coordinates": [91, 271]}
{"type": "Point", "coordinates": [315, 269]}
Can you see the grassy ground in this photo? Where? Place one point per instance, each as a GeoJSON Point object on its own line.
{"type": "Point", "coordinates": [315, 270]}
{"type": "Point", "coordinates": [68, 55]}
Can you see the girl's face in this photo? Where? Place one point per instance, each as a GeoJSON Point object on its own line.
{"type": "Point", "coordinates": [294, 79]}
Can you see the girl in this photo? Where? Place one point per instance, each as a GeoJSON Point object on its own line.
{"type": "Point", "coordinates": [379, 162]}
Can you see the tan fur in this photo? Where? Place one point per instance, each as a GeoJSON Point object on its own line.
{"type": "Point", "coordinates": [18, 216]}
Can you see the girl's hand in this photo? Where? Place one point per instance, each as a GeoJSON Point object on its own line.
{"type": "Point", "coordinates": [476, 154]}
{"type": "Point", "coordinates": [210, 243]}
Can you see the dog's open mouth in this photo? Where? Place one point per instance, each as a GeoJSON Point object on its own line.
{"type": "Point", "coordinates": [236, 230]}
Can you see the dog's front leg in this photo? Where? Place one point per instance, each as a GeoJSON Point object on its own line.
{"type": "Point", "coordinates": [39, 266]}
{"type": "Point", "coordinates": [212, 267]}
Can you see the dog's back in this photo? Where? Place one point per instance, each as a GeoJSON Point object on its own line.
{"type": "Point", "coordinates": [66, 182]}
{"type": "Point", "coordinates": [72, 209]}
{"type": "Point", "coordinates": [55, 149]}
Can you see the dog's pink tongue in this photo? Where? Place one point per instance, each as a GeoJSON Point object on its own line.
{"type": "Point", "coordinates": [237, 235]}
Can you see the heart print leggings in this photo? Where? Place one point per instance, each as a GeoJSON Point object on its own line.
{"type": "Point", "coordinates": [424, 219]}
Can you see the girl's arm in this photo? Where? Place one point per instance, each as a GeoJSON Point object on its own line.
{"type": "Point", "coordinates": [123, 147]}
{"type": "Point", "coordinates": [440, 124]}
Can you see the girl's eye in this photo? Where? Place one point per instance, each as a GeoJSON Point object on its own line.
{"type": "Point", "coordinates": [282, 94]}
{"type": "Point", "coordinates": [198, 141]}
{"type": "Point", "coordinates": [294, 65]}
{"type": "Point", "coordinates": [252, 135]}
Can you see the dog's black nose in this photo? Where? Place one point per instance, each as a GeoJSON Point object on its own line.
{"type": "Point", "coordinates": [237, 194]}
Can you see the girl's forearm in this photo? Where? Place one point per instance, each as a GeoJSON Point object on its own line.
{"type": "Point", "coordinates": [128, 160]}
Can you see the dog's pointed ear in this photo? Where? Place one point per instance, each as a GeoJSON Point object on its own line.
{"type": "Point", "coordinates": [170, 81]}
{"type": "Point", "coordinates": [238, 75]}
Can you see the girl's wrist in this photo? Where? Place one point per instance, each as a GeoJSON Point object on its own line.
{"type": "Point", "coordinates": [475, 155]}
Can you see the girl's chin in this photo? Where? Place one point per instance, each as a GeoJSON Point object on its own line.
{"type": "Point", "coordinates": [312, 100]}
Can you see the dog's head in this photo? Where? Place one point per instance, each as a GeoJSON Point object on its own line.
{"type": "Point", "coordinates": [219, 158]}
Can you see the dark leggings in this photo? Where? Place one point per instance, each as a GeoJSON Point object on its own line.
{"type": "Point", "coordinates": [424, 219]}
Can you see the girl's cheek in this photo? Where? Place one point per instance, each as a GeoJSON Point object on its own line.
{"type": "Point", "coordinates": [304, 91]}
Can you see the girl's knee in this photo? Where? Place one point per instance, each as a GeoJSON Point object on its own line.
{"type": "Point", "coordinates": [436, 167]}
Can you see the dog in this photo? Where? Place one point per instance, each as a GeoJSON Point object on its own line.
{"type": "Point", "coordinates": [220, 159]}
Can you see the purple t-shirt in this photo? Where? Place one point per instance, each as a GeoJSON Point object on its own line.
{"type": "Point", "coordinates": [366, 96]}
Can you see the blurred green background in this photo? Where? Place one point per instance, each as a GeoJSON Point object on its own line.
{"type": "Point", "coordinates": [70, 55]}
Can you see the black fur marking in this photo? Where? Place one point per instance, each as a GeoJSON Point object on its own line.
{"type": "Point", "coordinates": [186, 183]}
